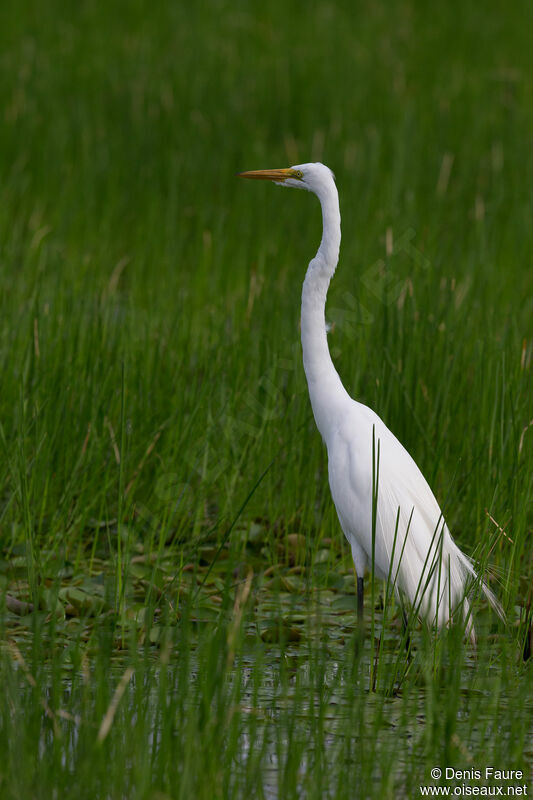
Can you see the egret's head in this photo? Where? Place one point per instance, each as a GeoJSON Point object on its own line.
{"type": "Point", "coordinates": [312, 177]}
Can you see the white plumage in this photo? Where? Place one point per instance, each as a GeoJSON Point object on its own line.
{"type": "Point", "coordinates": [412, 543]}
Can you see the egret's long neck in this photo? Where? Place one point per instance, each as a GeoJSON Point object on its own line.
{"type": "Point", "coordinates": [325, 388]}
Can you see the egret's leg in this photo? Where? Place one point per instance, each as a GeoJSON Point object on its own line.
{"type": "Point", "coordinates": [360, 599]}
{"type": "Point", "coordinates": [360, 633]}
{"type": "Point", "coordinates": [406, 632]}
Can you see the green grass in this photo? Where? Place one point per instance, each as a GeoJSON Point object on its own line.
{"type": "Point", "coordinates": [157, 440]}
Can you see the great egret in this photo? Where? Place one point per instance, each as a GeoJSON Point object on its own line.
{"type": "Point", "coordinates": [385, 506]}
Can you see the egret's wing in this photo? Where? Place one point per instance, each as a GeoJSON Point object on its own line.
{"type": "Point", "coordinates": [425, 561]}
{"type": "Point", "coordinates": [412, 544]}
{"type": "Point", "coordinates": [427, 564]}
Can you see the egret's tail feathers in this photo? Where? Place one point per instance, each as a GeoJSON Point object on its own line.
{"type": "Point", "coordinates": [487, 591]}
{"type": "Point", "coordinates": [439, 586]}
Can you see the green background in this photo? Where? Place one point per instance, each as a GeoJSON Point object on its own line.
{"type": "Point", "coordinates": [150, 361]}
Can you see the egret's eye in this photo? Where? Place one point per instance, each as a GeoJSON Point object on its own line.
{"type": "Point", "coordinates": [299, 174]}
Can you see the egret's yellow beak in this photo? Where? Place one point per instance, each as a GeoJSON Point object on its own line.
{"type": "Point", "coordinates": [279, 175]}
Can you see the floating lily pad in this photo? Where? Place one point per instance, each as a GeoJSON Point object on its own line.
{"type": "Point", "coordinates": [78, 602]}
{"type": "Point", "coordinates": [278, 631]}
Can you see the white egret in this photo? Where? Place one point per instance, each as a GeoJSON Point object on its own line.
{"type": "Point", "coordinates": [387, 510]}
